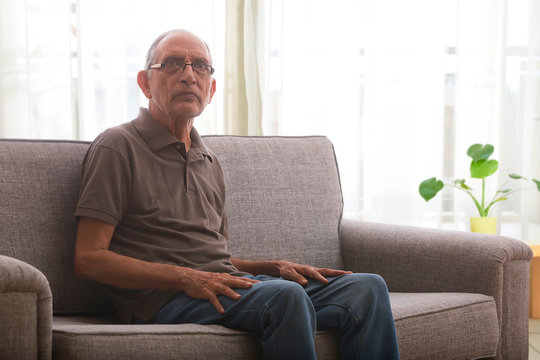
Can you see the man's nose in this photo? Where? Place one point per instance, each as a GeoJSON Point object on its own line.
{"type": "Point", "coordinates": [187, 74]}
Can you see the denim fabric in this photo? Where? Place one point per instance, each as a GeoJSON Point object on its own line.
{"type": "Point", "coordinates": [287, 315]}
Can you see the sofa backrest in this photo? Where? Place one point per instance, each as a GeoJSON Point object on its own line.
{"type": "Point", "coordinates": [283, 197]}
{"type": "Point", "coordinates": [283, 202]}
{"type": "Point", "coordinates": [39, 186]}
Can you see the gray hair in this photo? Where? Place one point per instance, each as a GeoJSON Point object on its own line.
{"type": "Point", "coordinates": [151, 55]}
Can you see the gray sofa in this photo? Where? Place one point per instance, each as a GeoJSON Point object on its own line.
{"type": "Point", "coordinates": [455, 295]}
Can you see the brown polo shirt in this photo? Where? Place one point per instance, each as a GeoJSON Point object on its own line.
{"type": "Point", "coordinates": [167, 206]}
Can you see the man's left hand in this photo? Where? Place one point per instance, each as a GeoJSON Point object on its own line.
{"type": "Point", "coordinates": [300, 273]}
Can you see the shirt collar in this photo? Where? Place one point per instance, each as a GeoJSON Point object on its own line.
{"type": "Point", "coordinates": [157, 136]}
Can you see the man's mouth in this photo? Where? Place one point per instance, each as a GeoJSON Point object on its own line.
{"type": "Point", "coordinates": [187, 95]}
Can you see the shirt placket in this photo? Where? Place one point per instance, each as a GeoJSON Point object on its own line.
{"type": "Point", "coordinates": [193, 156]}
{"type": "Point", "coordinates": [184, 162]}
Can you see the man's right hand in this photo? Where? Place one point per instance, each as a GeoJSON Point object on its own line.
{"type": "Point", "coordinates": [207, 286]}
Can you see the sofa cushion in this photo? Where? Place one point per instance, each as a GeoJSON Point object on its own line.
{"type": "Point", "coordinates": [445, 325]}
{"type": "Point", "coordinates": [39, 186]}
{"type": "Point", "coordinates": [84, 338]}
{"type": "Point", "coordinates": [428, 325]}
{"type": "Point", "coordinates": [283, 197]}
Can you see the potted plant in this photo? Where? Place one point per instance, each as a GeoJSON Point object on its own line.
{"type": "Point", "coordinates": [481, 167]}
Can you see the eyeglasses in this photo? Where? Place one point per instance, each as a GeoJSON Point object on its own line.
{"type": "Point", "coordinates": [173, 65]}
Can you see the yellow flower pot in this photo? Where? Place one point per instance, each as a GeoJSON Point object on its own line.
{"type": "Point", "coordinates": [486, 225]}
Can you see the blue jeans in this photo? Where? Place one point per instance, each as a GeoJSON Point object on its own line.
{"type": "Point", "coordinates": [287, 315]}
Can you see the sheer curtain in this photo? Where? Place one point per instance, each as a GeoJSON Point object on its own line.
{"type": "Point", "coordinates": [402, 88]}
{"type": "Point", "coordinates": [68, 67]}
{"type": "Point", "coordinates": [368, 75]}
{"type": "Point", "coordinates": [34, 69]}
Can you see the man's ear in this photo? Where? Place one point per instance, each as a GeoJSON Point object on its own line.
{"type": "Point", "coordinates": [212, 90]}
{"type": "Point", "coordinates": [143, 81]}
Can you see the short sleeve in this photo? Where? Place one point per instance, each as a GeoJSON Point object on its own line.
{"type": "Point", "coordinates": [224, 230]}
{"type": "Point", "coordinates": [106, 185]}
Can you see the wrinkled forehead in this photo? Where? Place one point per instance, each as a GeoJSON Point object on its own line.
{"type": "Point", "coordinates": [182, 44]}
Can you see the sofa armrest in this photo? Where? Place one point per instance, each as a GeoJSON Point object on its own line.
{"type": "Point", "coordinates": [25, 311]}
{"type": "Point", "coordinates": [413, 259]}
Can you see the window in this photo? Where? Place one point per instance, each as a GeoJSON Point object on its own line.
{"type": "Point", "coordinates": [401, 88]}
{"type": "Point", "coordinates": [69, 69]}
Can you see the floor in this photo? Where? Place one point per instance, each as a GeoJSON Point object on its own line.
{"type": "Point", "coordinates": [534, 339]}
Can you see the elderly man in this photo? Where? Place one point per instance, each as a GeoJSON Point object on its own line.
{"type": "Point", "coordinates": [152, 226]}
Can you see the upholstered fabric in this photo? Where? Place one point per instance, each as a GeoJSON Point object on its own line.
{"type": "Point", "coordinates": [454, 295]}
{"type": "Point", "coordinates": [428, 260]}
{"type": "Point", "coordinates": [80, 338]}
{"type": "Point", "coordinates": [445, 325]}
{"type": "Point", "coordinates": [283, 197]}
{"type": "Point", "coordinates": [514, 310]}
{"type": "Point", "coordinates": [429, 326]}
{"type": "Point", "coordinates": [39, 185]}
{"type": "Point", "coordinates": [25, 316]}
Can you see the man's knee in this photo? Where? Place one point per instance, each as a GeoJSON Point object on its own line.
{"type": "Point", "coordinates": [288, 296]}
{"type": "Point", "coordinates": [372, 284]}
{"type": "Point", "coordinates": [288, 302]}
{"type": "Point", "coordinates": [289, 291]}
{"type": "Point", "coordinates": [371, 280]}
{"type": "Point", "coordinates": [377, 282]}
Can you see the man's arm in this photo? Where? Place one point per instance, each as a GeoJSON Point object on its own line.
{"type": "Point", "coordinates": [288, 270]}
{"type": "Point", "coordinates": [94, 261]}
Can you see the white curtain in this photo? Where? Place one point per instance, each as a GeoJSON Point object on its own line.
{"type": "Point", "coordinates": [34, 69]}
{"type": "Point", "coordinates": [68, 67]}
{"type": "Point", "coordinates": [402, 88]}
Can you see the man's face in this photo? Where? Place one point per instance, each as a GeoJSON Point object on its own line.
{"type": "Point", "coordinates": [184, 93]}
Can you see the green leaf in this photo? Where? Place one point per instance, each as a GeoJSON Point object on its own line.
{"type": "Point", "coordinates": [517, 177]}
{"type": "Point", "coordinates": [430, 187]}
{"type": "Point", "coordinates": [505, 191]}
{"type": "Point", "coordinates": [493, 203]}
{"type": "Point", "coordinates": [483, 168]}
{"type": "Point", "coordinates": [480, 152]}
{"type": "Point", "coordinates": [537, 182]}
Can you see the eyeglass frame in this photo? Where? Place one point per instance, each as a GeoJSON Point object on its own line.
{"type": "Point", "coordinates": [181, 62]}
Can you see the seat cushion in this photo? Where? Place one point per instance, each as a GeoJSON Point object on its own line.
{"type": "Point", "coordinates": [445, 325]}
{"type": "Point", "coordinates": [428, 325]}
{"type": "Point", "coordinates": [91, 338]}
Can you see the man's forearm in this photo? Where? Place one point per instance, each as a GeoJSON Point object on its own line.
{"type": "Point", "coordinates": [94, 261]}
{"type": "Point", "coordinates": [126, 272]}
{"type": "Point", "coordinates": [116, 270]}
